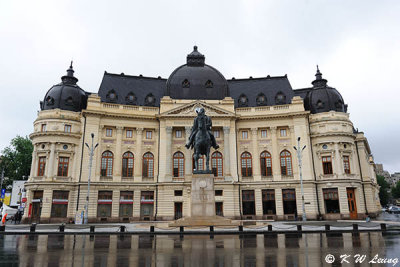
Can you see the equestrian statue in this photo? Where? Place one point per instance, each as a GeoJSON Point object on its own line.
{"type": "Point", "coordinates": [201, 139]}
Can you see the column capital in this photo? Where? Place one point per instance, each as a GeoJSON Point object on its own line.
{"type": "Point", "coordinates": [139, 130]}
{"type": "Point", "coordinates": [273, 128]}
{"type": "Point", "coordinates": [254, 131]}
{"type": "Point", "coordinates": [168, 129]}
{"type": "Point", "coordinates": [188, 129]}
{"type": "Point", "coordinates": [291, 129]}
{"type": "Point", "coordinates": [119, 129]}
{"type": "Point", "coordinates": [227, 129]}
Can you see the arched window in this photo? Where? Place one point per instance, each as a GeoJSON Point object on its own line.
{"type": "Point", "coordinates": [106, 164]}
{"type": "Point", "coordinates": [243, 100]}
{"type": "Point", "coordinates": [261, 100]}
{"type": "Point", "coordinates": [246, 164]}
{"type": "Point", "coordinates": [216, 164]}
{"type": "Point", "coordinates": [286, 163]}
{"type": "Point", "coordinates": [127, 164]}
{"type": "Point", "coordinates": [200, 163]}
{"type": "Point", "coordinates": [266, 164]}
{"type": "Point", "coordinates": [148, 165]}
{"type": "Point", "coordinates": [179, 165]}
{"type": "Point", "coordinates": [280, 99]}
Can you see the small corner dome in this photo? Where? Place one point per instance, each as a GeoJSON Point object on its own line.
{"type": "Point", "coordinates": [196, 80]}
{"type": "Point", "coordinates": [322, 98]}
{"type": "Point", "coordinates": [66, 95]}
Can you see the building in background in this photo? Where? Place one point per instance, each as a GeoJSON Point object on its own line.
{"type": "Point", "coordinates": [142, 170]}
{"type": "Point", "coordinates": [18, 196]}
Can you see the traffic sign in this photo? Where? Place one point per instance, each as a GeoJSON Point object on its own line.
{"type": "Point", "coordinates": [3, 193]}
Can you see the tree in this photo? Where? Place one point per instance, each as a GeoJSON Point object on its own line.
{"type": "Point", "coordinates": [16, 160]}
{"type": "Point", "coordinates": [383, 191]}
{"type": "Point", "coordinates": [396, 190]}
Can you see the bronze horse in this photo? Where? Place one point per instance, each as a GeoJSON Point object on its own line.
{"type": "Point", "coordinates": [202, 143]}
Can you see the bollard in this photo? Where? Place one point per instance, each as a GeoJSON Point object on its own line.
{"type": "Point", "coordinates": [240, 228]}
{"type": "Point", "coordinates": [152, 229]}
{"type": "Point", "coordinates": [299, 227]}
{"type": "Point", "coordinates": [2, 228]}
{"type": "Point", "coordinates": [33, 227]}
{"type": "Point", "coordinates": [62, 228]}
{"type": "Point", "coordinates": [383, 227]}
{"type": "Point", "coordinates": [211, 228]}
{"type": "Point", "coordinates": [270, 227]}
{"type": "Point", "coordinates": [327, 227]}
{"type": "Point", "coordinates": [181, 229]}
{"type": "Point", "coordinates": [355, 227]}
{"type": "Point", "coordinates": [122, 228]}
{"type": "Point", "coordinates": [92, 228]}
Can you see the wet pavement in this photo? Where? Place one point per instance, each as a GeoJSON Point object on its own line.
{"type": "Point", "coordinates": [201, 250]}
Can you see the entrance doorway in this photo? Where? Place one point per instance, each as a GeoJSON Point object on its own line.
{"type": "Point", "coordinates": [351, 198]}
{"type": "Point", "coordinates": [249, 205]}
{"type": "Point", "coordinates": [37, 205]}
{"type": "Point", "coordinates": [178, 210]}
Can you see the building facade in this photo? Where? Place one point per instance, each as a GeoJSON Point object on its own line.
{"type": "Point", "coordinates": [141, 169]}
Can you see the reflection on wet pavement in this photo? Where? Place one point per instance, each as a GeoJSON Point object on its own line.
{"type": "Point", "coordinates": [173, 250]}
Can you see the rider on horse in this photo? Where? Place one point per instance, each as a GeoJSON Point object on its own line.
{"type": "Point", "coordinates": [195, 129]}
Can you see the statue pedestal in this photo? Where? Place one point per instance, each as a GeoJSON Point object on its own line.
{"type": "Point", "coordinates": [203, 204]}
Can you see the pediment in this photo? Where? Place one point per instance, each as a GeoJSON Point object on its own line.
{"type": "Point", "coordinates": [189, 110]}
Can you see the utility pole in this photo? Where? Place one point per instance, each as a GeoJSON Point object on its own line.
{"type": "Point", "coordinates": [299, 156]}
{"type": "Point", "coordinates": [91, 153]}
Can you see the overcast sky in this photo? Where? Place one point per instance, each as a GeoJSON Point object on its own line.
{"type": "Point", "coordinates": [355, 43]}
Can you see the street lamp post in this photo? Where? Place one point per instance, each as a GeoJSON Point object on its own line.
{"type": "Point", "coordinates": [299, 156]}
{"type": "Point", "coordinates": [91, 153]}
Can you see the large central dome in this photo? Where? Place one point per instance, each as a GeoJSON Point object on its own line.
{"type": "Point", "coordinates": [196, 80]}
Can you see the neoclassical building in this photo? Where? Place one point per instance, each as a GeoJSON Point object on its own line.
{"type": "Point", "coordinates": [141, 169]}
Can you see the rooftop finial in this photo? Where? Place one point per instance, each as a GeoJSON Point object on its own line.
{"type": "Point", "coordinates": [318, 74]}
{"type": "Point", "coordinates": [69, 78]}
{"type": "Point", "coordinates": [195, 58]}
{"type": "Point", "coordinates": [319, 81]}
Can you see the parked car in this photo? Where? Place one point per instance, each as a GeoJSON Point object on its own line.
{"type": "Point", "coordinates": [394, 210]}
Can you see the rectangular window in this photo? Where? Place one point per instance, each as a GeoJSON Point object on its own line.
{"type": "Point", "coordinates": [59, 205]}
{"type": "Point", "coordinates": [129, 133]}
{"type": "Point", "coordinates": [42, 166]}
{"type": "Point", "coordinates": [67, 128]}
{"type": "Point", "coordinates": [149, 134]}
{"type": "Point", "coordinates": [327, 165]}
{"type": "Point", "coordinates": [178, 193]}
{"type": "Point", "coordinates": [63, 163]}
{"type": "Point", "coordinates": [104, 204]}
{"type": "Point", "coordinates": [245, 134]}
{"type": "Point", "coordinates": [216, 134]}
{"type": "Point", "coordinates": [346, 164]}
{"type": "Point", "coordinates": [109, 132]}
{"type": "Point", "coordinates": [126, 204]}
{"type": "Point", "coordinates": [283, 132]}
{"type": "Point", "coordinates": [249, 207]}
{"type": "Point", "coordinates": [43, 128]}
{"type": "Point", "coordinates": [178, 134]}
{"type": "Point", "coordinates": [219, 192]}
{"type": "Point", "coordinates": [331, 199]}
{"type": "Point", "coordinates": [268, 201]}
{"type": "Point", "coordinates": [219, 208]}
{"type": "Point", "coordinates": [289, 201]}
{"type": "Point", "coordinates": [263, 133]}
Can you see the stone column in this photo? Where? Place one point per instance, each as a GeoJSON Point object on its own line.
{"type": "Point", "coordinates": [188, 153]}
{"type": "Point", "coordinates": [276, 166]}
{"type": "Point", "coordinates": [50, 163]}
{"type": "Point", "coordinates": [255, 155]}
{"type": "Point", "coordinates": [34, 164]}
{"type": "Point", "coordinates": [337, 163]}
{"type": "Point", "coordinates": [226, 158]}
{"type": "Point", "coordinates": [168, 158]}
{"type": "Point", "coordinates": [118, 155]}
{"type": "Point", "coordinates": [138, 155]}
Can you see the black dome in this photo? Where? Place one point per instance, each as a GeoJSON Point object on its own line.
{"type": "Point", "coordinates": [66, 95]}
{"type": "Point", "coordinates": [322, 98]}
{"type": "Point", "coordinates": [196, 80]}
